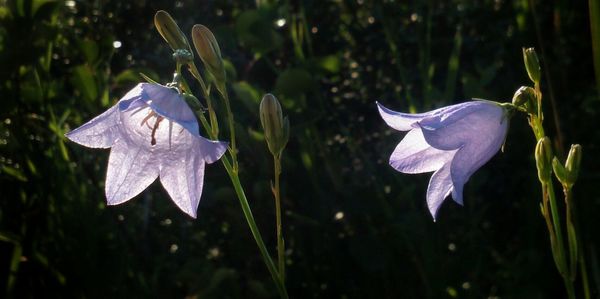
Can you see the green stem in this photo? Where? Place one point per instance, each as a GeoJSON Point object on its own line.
{"type": "Point", "coordinates": [214, 125]}
{"type": "Point", "coordinates": [584, 275]}
{"type": "Point", "coordinates": [571, 234]}
{"type": "Point", "coordinates": [564, 271]}
{"type": "Point", "coordinates": [556, 237]}
{"type": "Point", "coordinates": [239, 190]}
{"type": "Point", "coordinates": [580, 257]}
{"type": "Point", "coordinates": [276, 193]}
{"type": "Point", "coordinates": [233, 148]}
{"type": "Point", "coordinates": [235, 180]}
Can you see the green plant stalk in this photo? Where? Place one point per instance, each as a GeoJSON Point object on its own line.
{"type": "Point", "coordinates": [214, 125]}
{"type": "Point", "coordinates": [564, 271]}
{"type": "Point", "coordinates": [556, 237]}
{"type": "Point", "coordinates": [594, 9]}
{"type": "Point", "coordinates": [571, 235]}
{"type": "Point", "coordinates": [15, 263]}
{"type": "Point", "coordinates": [233, 149]}
{"type": "Point", "coordinates": [584, 276]}
{"type": "Point", "coordinates": [579, 255]}
{"type": "Point", "coordinates": [235, 180]}
{"type": "Point", "coordinates": [239, 190]}
{"type": "Point", "coordinates": [277, 194]}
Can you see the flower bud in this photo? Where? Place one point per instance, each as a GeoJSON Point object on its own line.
{"type": "Point", "coordinates": [573, 163]}
{"type": "Point", "coordinates": [183, 56]}
{"type": "Point", "coordinates": [169, 30]}
{"type": "Point", "coordinates": [543, 156]}
{"type": "Point", "coordinates": [209, 51]}
{"type": "Point", "coordinates": [525, 98]}
{"type": "Point", "coordinates": [532, 64]}
{"type": "Point", "coordinates": [275, 126]}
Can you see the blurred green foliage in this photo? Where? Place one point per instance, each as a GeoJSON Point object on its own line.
{"type": "Point", "coordinates": [354, 227]}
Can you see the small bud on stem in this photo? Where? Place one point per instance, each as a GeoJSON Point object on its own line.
{"type": "Point", "coordinates": [276, 127]}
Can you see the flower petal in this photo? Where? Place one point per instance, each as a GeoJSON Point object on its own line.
{"type": "Point", "coordinates": [100, 132]}
{"type": "Point", "coordinates": [474, 123]}
{"type": "Point", "coordinates": [167, 102]}
{"type": "Point", "coordinates": [440, 186]}
{"type": "Point", "coordinates": [474, 155]}
{"type": "Point", "coordinates": [414, 155]}
{"type": "Point", "coordinates": [210, 150]}
{"type": "Point", "coordinates": [131, 169]}
{"type": "Point", "coordinates": [183, 177]}
{"type": "Point", "coordinates": [400, 121]}
{"type": "Point", "coordinates": [406, 121]}
{"type": "Point", "coordinates": [130, 97]}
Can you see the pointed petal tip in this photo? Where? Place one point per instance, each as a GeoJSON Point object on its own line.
{"type": "Point", "coordinates": [192, 214]}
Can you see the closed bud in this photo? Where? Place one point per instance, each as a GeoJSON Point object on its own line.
{"type": "Point", "coordinates": [183, 56]}
{"type": "Point", "coordinates": [573, 163]}
{"type": "Point", "coordinates": [543, 156]}
{"type": "Point", "coordinates": [169, 30]}
{"type": "Point", "coordinates": [276, 128]}
{"type": "Point", "coordinates": [208, 49]}
{"type": "Point", "coordinates": [532, 64]}
{"type": "Point", "coordinates": [525, 98]}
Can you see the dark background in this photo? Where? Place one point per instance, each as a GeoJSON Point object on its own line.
{"type": "Point", "coordinates": [327, 62]}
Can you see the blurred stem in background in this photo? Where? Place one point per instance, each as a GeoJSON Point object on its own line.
{"type": "Point", "coordinates": [594, 7]}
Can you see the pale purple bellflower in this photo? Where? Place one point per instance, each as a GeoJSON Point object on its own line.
{"type": "Point", "coordinates": [152, 132]}
{"type": "Point", "coordinates": [452, 141]}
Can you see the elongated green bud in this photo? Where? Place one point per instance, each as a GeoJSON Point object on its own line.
{"type": "Point", "coordinates": [169, 30]}
{"type": "Point", "coordinates": [567, 174]}
{"type": "Point", "coordinates": [525, 98]}
{"type": "Point", "coordinates": [208, 49]}
{"type": "Point", "coordinates": [543, 156]}
{"type": "Point", "coordinates": [276, 127]}
{"type": "Point", "coordinates": [532, 64]}
{"type": "Point", "coordinates": [573, 163]}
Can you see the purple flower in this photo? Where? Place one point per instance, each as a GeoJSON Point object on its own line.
{"type": "Point", "coordinates": [453, 142]}
{"type": "Point", "coordinates": [152, 133]}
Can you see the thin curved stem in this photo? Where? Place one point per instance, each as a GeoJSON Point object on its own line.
{"type": "Point", "coordinates": [277, 194]}
{"type": "Point", "coordinates": [235, 180]}
{"type": "Point", "coordinates": [239, 190]}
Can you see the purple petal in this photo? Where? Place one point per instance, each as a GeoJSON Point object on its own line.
{"type": "Point", "coordinates": [131, 169]}
{"type": "Point", "coordinates": [182, 175]}
{"type": "Point", "coordinates": [414, 155]}
{"type": "Point", "coordinates": [100, 132]}
{"type": "Point", "coordinates": [477, 121]}
{"type": "Point", "coordinates": [131, 97]}
{"type": "Point", "coordinates": [474, 155]}
{"type": "Point", "coordinates": [478, 131]}
{"type": "Point", "coordinates": [400, 121]}
{"type": "Point", "coordinates": [406, 121]}
{"type": "Point", "coordinates": [440, 186]}
{"type": "Point", "coordinates": [210, 150]}
{"type": "Point", "coordinates": [168, 103]}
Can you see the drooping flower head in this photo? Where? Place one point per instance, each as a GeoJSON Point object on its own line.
{"type": "Point", "coordinates": [452, 141]}
{"type": "Point", "coordinates": [152, 133]}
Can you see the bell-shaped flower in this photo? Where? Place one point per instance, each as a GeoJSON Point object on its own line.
{"type": "Point", "coordinates": [453, 142]}
{"type": "Point", "coordinates": [152, 133]}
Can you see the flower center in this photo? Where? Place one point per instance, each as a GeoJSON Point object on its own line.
{"type": "Point", "coordinates": [155, 127]}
